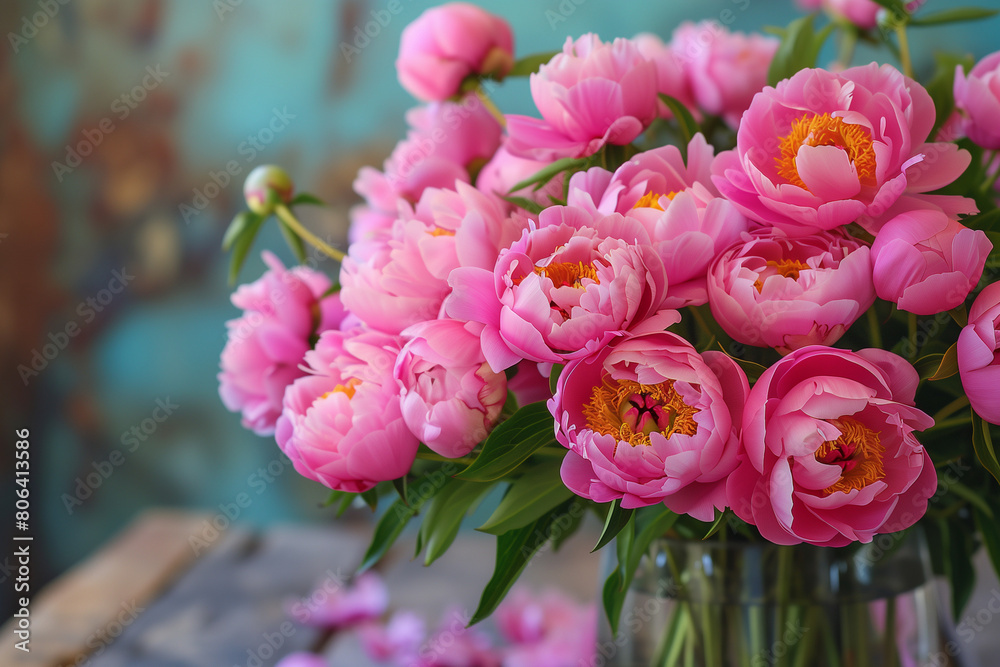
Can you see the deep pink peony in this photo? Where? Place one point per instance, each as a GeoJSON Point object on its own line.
{"type": "Point", "coordinates": [977, 96]}
{"type": "Point", "coordinates": [724, 69]}
{"type": "Point", "coordinates": [689, 224]}
{"type": "Point", "coordinates": [562, 291]}
{"type": "Point", "coordinates": [593, 93]}
{"type": "Point", "coordinates": [446, 44]}
{"type": "Point", "coordinates": [828, 454]}
{"type": "Point", "coordinates": [978, 361]}
{"type": "Point", "coordinates": [342, 425]}
{"type": "Point", "coordinates": [650, 420]}
{"type": "Point", "coordinates": [926, 262]}
{"type": "Point", "coordinates": [546, 630]}
{"type": "Point", "coordinates": [451, 399]}
{"type": "Point", "coordinates": [822, 150]}
{"type": "Point", "coordinates": [364, 599]}
{"type": "Point", "coordinates": [787, 293]}
{"type": "Point", "coordinates": [281, 312]}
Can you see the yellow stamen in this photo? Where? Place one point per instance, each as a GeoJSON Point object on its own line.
{"type": "Point", "coordinates": [652, 200]}
{"type": "Point", "coordinates": [824, 130]}
{"type": "Point", "coordinates": [566, 274]}
{"type": "Point", "coordinates": [347, 389]}
{"type": "Point", "coordinates": [440, 231]}
{"type": "Point", "coordinates": [631, 411]}
{"type": "Point", "coordinates": [857, 451]}
{"type": "Point", "coordinates": [788, 268]}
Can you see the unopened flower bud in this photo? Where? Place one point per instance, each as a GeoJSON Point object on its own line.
{"type": "Point", "coordinates": [265, 187]}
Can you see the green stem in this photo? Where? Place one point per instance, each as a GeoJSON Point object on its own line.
{"type": "Point", "coordinates": [490, 106]}
{"type": "Point", "coordinates": [889, 638]}
{"type": "Point", "coordinates": [875, 327]}
{"type": "Point", "coordinates": [991, 180]}
{"type": "Point", "coordinates": [949, 423]}
{"type": "Point", "coordinates": [431, 456]}
{"type": "Point", "coordinates": [804, 650]}
{"type": "Point", "coordinates": [863, 620]}
{"type": "Point", "coordinates": [904, 49]}
{"type": "Point", "coordinates": [756, 624]}
{"type": "Point", "coordinates": [673, 639]}
{"type": "Point", "coordinates": [785, 564]}
{"type": "Point", "coordinates": [951, 408]}
{"type": "Point", "coordinates": [289, 219]}
{"type": "Point", "coordinates": [830, 648]}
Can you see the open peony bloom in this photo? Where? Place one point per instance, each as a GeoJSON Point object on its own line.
{"type": "Point", "coordinates": [591, 94]}
{"type": "Point", "coordinates": [651, 420]}
{"type": "Point", "coordinates": [785, 293]}
{"type": "Point", "coordinates": [977, 95]}
{"type": "Point", "coordinates": [446, 44]}
{"type": "Point", "coordinates": [451, 398]}
{"type": "Point", "coordinates": [977, 354]}
{"type": "Point", "coordinates": [562, 291]}
{"type": "Point", "coordinates": [823, 150]}
{"type": "Point", "coordinates": [342, 425]}
{"type": "Point", "coordinates": [828, 454]}
{"type": "Point", "coordinates": [546, 630]}
{"type": "Point", "coordinates": [282, 311]}
{"type": "Point", "coordinates": [926, 262]}
{"type": "Point", "coordinates": [688, 222]}
{"type": "Point", "coordinates": [724, 69]}
{"type": "Point", "coordinates": [365, 599]}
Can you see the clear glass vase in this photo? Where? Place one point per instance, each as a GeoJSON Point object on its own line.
{"type": "Point", "coordinates": [736, 604]}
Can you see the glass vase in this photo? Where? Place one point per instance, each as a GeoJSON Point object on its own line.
{"type": "Point", "coordinates": [738, 604]}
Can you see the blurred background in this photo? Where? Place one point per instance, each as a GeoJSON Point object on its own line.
{"type": "Point", "coordinates": [117, 121]}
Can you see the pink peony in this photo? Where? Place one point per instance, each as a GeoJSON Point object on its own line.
{"type": "Point", "coordinates": [562, 291]}
{"type": "Point", "coordinates": [978, 362]}
{"type": "Point", "coordinates": [977, 95]}
{"type": "Point", "coordinates": [591, 94]}
{"type": "Point", "coordinates": [724, 69]}
{"type": "Point", "coordinates": [828, 454]}
{"type": "Point", "coordinates": [451, 398]}
{"type": "Point", "coordinates": [342, 424]}
{"type": "Point", "coordinates": [282, 311]}
{"type": "Point", "coordinates": [548, 630]}
{"type": "Point", "coordinates": [506, 170]}
{"type": "Point", "coordinates": [302, 659]}
{"type": "Point", "coordinates": [446, 44]}
{"type": "Point", "coordinates": [456, 645]}
{"type": "Point", "coordinates": [788, 293]}
{"type": "Point", "coordinates": [528, 385]}
{"type": "Point", "coordinates": [345, 606]}
{"type": "Point", "coordinates": [688, 222]}
{"type": "Point", "coordinates": [862, 13]}
{"type": "Point", "coordinates": [822, 150]}
{"type": "Point", "coordinates": [397, 641]}
{"type": "Point", "coordinates": [926, 262]}
{"type": "Point", "coordinates": [650, 420]}
{"type": "Point", "coordinates": [671, 77]}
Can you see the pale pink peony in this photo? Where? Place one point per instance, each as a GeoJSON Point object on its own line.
{"type": "Point", "coordinates": [926, 262]}
{"type": "Point", "coordinates": [651, 420]}
{"type": "Point", "coordinates": [342, 425]}
{"type": "Point", "coordinates": [547, 630]}
{"type": "Point", "coordinates": [506, 170]}
{"type": "Point", "coordinates": [348, 605]}
{"type": "Point", "coordinates": [593, 93]}
{"type": "Point", "coordinates": [446, 44]}
{"type": "Point", "coordinates": [672, 80]}
{"type": "Point", "coordinates": [977, 96]}
{"type": "Point", "coordinates": [822, 150]}
{"type": "Point", "coordinates": [862, 13]}
{"type": "Point", "coordinates": [978, 362]}
{"type": "Point", "coordinates": [828, 454]}
{"type": "Point", "coordinates": [562, 291]}
{"type": "Point", "coordinates": [398, 641]}
{"type": "Point", "coordinates": [724, 69]}
{"type": "Point", "coordinates": [689, 224]}
{"type": "Point", "coordinates": [282, 311]}
{"type": "Point", "coordinates": [451, 399]}
{"type": "Point", "coordinates": [786, 293]}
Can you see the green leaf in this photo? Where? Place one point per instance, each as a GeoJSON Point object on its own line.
{"type": "Point", "coordinates": [896, 6]}
{"type": "Point", "coordinates": [963, 574]}
{"type": "Point", "coordinates": [389, 527]}
{"type": "Point", "coordinates": [557, 370]}
{"type": "Point", "coordinates": [941, 86]}
{"type": "Point", "coordinates": [615, 522]}
{"type": "Point", "coordinates": [294, 241]}
{"type": "Point", "coordinates": [535, 493]}
{"type": "Point", "coordinates": [240, 224]}
{"type": "Point", "coordinates": [448, 508]}
{"type": "Point", "coordinates": [241, 247]}
{"type": "Point", "coordinates": [989, 531]}
{"type": "Point", "coordinates": [688, 125]}
{"type": "Point", "coordinates": [799, 49]}
{"type": "Point", "coordinates": [371, 498]}
{"type": "Point", "coordinates": [752, 369]}
{"type": "Point", "coordinates": [937, 367]}
{"type": "Point", "coordinates": [576, 512]}
{"type": "Point", "coordinates": [342, 499]}
{"type": "Point", "coordinates": [988, 222]}
{"type": "Point", "coordinates": [720, 521]}
{"type": "Point", "coordinates": [528, 205]}
{"type": "Point", "coordinates": [400, 485]}
{"type": "Point", "coordinates": [307, 199]}
{"type": "Point", "coordinates": [613, 598]}
{"type": "Point", "coordinates": [511, 443]}
{"type": "Point", "coordinates": [546, 174]}
{"type": "Point", "coordinates": [333, 289]}
{"type": "Point", "coordinates": [514, 549]}
{"type": "Point", "coordinates": [530, 64]}
{"type": "Point", "coordinates": [954, 16]}
{"type": "Point", "coordinates": [983, 444]}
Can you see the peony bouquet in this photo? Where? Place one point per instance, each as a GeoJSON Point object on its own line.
{"type": "Point", "coordinates": [712, 290]}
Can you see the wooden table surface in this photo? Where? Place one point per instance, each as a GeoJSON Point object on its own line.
{"type": "Point", "coordinates": [154, 598]}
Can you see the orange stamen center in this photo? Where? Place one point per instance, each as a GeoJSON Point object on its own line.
{"type": "Point", "coordinates": [788, 268]}
{"type": "Point", "coordinates": [566, 274]}
{"type": "Point", "coordinates": [631, 411]}
{"type": "Point", "coordinates": [440, 231]}
{"type": "Point", "coordinates": [347, 389]}
{"type": "Point", "coordinates": [652, 200]}
{"type": "Point", "coordinates": [857, 451]}
{"type": "Point", "coordinates": [824, 130]}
